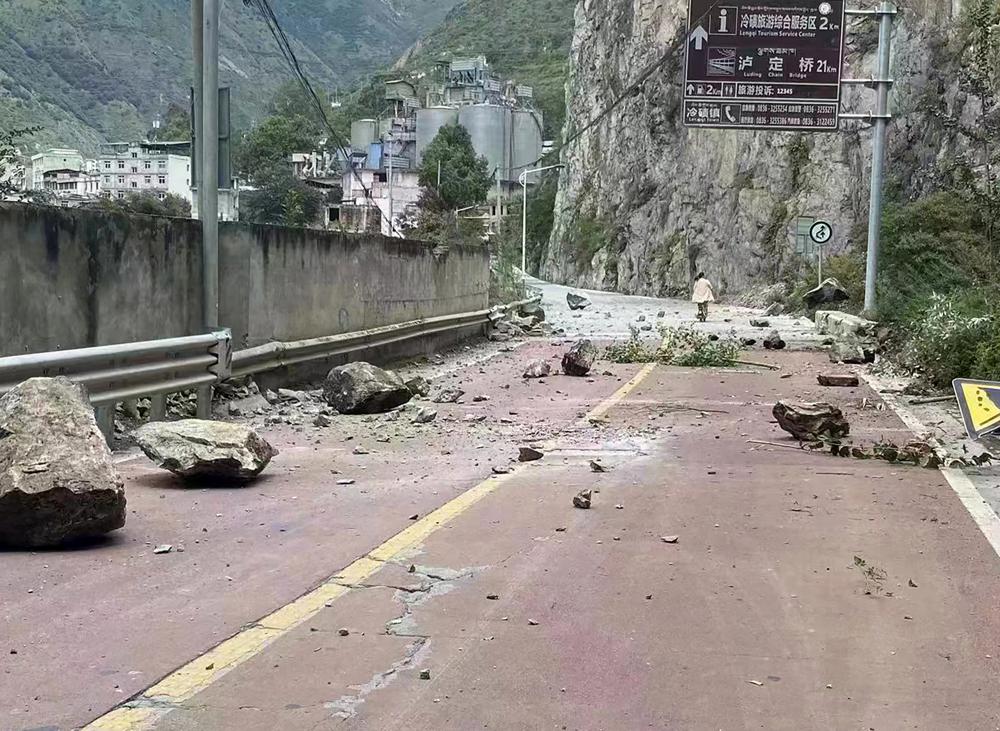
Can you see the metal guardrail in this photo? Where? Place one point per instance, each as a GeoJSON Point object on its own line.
{"type": "Point", "coordinates": [280, 354]}
{"type": "Point", "coordinates": [115, 373]}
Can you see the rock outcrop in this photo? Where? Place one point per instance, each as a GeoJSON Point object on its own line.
{"type": "Point", "coordinates": [361, 388]}
{"type": "Point", "coordinates": [194, 448]}
{"type": "Point", "coordinates": [644, 203]}
{"type": "Point", "coordinates": [58, 482]}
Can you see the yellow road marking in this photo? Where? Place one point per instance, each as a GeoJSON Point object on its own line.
{"type": "Point", "coordinates": [143, 711]}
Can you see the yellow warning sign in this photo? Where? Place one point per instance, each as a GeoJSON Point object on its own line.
{"type": "Point", "coordinates": [979, 402]}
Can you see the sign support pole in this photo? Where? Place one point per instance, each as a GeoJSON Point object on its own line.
{"type": "Point", "coordinates": [885, 13]}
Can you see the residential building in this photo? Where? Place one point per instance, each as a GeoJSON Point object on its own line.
{"type": "Point", "coordinates": [159, 168]}
{"type": "Point", "coordinates": [56, 158]}
{"type": "Point", "coordinates": [69, 185]}
{"type": "Point", "coordinates": [383, 205]}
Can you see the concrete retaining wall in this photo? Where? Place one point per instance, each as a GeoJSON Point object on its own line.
{"type": "Point", "coordinates": [74, 278]}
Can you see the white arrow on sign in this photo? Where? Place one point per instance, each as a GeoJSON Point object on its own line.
{"type": "Point", "coordinates": [700, 36]}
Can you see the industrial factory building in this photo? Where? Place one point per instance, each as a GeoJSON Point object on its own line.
{"type": "Point", "coordinates": [500, 117]}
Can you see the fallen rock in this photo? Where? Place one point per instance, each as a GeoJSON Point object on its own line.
{"type": "Point", "coordinates": [582, 499]}
{"type": "Point", "coordinates": [851, 350]}
{"type": "Point", "coordinates": [775, 308]}
{"type": "Point", "coordinates": [419, 386]}
{"type": "Point", "coordinates": [538, 369]}
{"type": "Point", "coordinates": [532, 309]}
{"type": "Point", "coordinates": [773, 341]}
{"type": "Point", "coordinates": [844, 380]}
{"type": "Point", "coordinates": [757, 322]}
{"type": "Point", "coordinates": [577, 301]}
{"type": "Point", "coordinates": [361, 388]}
{"type": "Point", "coordinates": [424, 415]}
{"type": "Point", "coordinates": [597, 467]}
{"type": "Point", "coordinates": [828, 292]}
{"type": "Point", "coordinates": [661, 314]}
{"type": "Point", "coordinates": [579, 359]}
{"type": "Point", "coordinates": [670, 539]}
{"type": "Point", "coordinates": [58, 482]}
{"type": "Point", "coordinates": [165, 548]}
{"type": "Point", "coordinates": [529, 454]}
{"type": "Point", "coordinates": [646, 327]}
{"type": "Point", "coordinates": [448, 396]}
{"type": "Point", "coordinates": [322, 420]}
{"type": "Point", "coordinates": [748, 342]}
{"type": "Point", "coordinates": [811, 421]}
{"type": "Point", "coordinates": [288, 394]}
{"type": "Point", "coordinates": [197, 448]}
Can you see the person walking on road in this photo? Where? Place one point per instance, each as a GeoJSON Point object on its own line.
{"type": "Point", "coordinates": [702, 295]}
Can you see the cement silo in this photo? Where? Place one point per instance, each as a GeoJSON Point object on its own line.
{"type": "Point", "coordinates": [489, 126]}
{"type": "Point", "coordinates": [527, 141]}
{"type": "Point", "coordinates": [429, 123]}
{"type": "Point", "coordinates": [363, 133]}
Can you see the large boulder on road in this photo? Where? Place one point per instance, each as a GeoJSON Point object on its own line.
{"type": "Point", "coordinates": [810, 422]}
{"type": "Point", "coordinates": [194, 448]}
{"type": "Point", "coordinates": [57, 480]}
{"type": "Point", "coordinates": [532, 309]}
{"type": "Point", "coordinates": [577, 301]}
{"type": "Point", "coordinates": [361, 388]}
{"type": "Point", "coordinates": [579, 359]}
{"type": "Point", "coordinates": [829, 292]}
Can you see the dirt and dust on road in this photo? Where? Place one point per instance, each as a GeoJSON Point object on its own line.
{"type": "Point", "coordinates": [385, 573]}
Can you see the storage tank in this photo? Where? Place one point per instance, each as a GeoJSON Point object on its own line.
{"type": "Point", "coordinates": [384, 127]}
{"type": "Point", "coordinates": [429, 123]}
{"type": "Point", "coordinates": [489, 126]}
{"type": "Point", "coordinates": [362, 134]}
{"type": "Point", "coordinates": [527, 141]}
{"type": "Point", "coordinates": [374, 161]}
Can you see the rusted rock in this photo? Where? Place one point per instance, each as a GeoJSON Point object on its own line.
{"type": "Point", "coordinates": [843, 380]}
{"type": "Point", "coordinates": [811, 421]}
{"type": "Point", "coordinates": [58, 482]}
{"type": "Point", "coordinates": [579, 359]}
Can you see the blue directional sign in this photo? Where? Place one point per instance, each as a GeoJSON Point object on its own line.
{"type": "Point", "coordinates": [765, 64]}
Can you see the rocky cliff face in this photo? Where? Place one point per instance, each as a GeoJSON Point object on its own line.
{"type": "Point", "coordinates": [644, 202]}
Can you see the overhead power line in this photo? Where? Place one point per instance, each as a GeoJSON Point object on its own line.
{"type": "Point", "coordinates": [284, 45]}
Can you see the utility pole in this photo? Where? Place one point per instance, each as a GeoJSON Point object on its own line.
{"type": "Point", "coordinates": [882, 83]}
{"type": "Point", "coordinates": [209, 187]}
{"type": "Point", "coordinates": [389, 158]}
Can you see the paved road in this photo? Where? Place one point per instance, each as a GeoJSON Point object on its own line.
{"type": "Point", "coordinates": [522, 611]}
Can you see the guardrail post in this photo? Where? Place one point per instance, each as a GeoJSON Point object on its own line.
{"type": "Point", "coordinates": [157, 408]}
{"type": "Point", "coordinates": [205, 402]}
{"type": "Point", "coordinates": [105, 416]}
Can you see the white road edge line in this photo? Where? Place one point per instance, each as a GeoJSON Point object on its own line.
{"type": "Point", "coordinates": [980, 510]}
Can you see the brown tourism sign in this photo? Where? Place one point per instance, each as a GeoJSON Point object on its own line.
{"type": "Point", "coordinates": [764, 65]}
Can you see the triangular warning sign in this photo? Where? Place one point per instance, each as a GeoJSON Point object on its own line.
{"type": "Point", "coordinates": [979, 402]}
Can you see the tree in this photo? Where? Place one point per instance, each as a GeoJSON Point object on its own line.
{"type": "Point", "coordinates": [147, 203]}
{"type": "Point", "coordinates": [176, 126]}
{"type": "Point", "coordinates": [10, 170]}
{"type": "Point", "coordinates": [269, 147]}
{"type": "Point", "coordinates": [465, 179]}
{"type": "Point", "coordinates": [282, 199]}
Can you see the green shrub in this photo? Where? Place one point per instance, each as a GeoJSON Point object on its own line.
{"type": "Point", "coordinates": [680, 347]}
{"type": "Point", "coordinates": [944, 342]}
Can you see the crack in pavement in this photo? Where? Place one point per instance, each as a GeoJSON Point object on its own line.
{"type": "Point", "coordinates": [434, 582]}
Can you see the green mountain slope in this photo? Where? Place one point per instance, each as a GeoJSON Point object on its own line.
{"type": "Point", "coordinates": [91, 70]}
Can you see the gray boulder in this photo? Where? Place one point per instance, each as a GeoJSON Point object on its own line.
{"type": "Point", "coordinates": [448, 396]}
{"type": "Point", "coordinates": [758, 322]}
{"type": "Point", "coordinates": [419, 386]}
{"type": "Point", "coordinates": [538, 369]}
{"type": "Point", "coordinates": [810, 422]}
{"type": "Point", "coordinates": [361, 388]}
{"type": "Point", "coordinates": [851, 350]}
{"type": "Point", "coordinates": [577, 301]}
{"type": "Point", "coordinates": [579, 359]}
{"type": "Point", "coordinates": [58, 482]}
{"type": "Point", "coordinates": [829, 292]}
{"type": "Point", "coordinates": [774, 341]}
{"type": "Point", "coordinates": [532, 309]}
{"type": "Point", "coordinates": [194, 448]}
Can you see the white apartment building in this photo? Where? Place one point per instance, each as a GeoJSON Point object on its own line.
{"type": "Point", "coordinates": [145, 167]}
{"type": "Point", "coordinates": [72, 184]}
{"type": "Point", "coordinates": [404, 197]}
{"type": "Point", "coordinates": [56, 158]}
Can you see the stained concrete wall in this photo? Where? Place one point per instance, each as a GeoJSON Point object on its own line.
{"type": "Point", "coordinates": [74, 278]}
{"type": "Point", "coordinates": [293, 284]}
